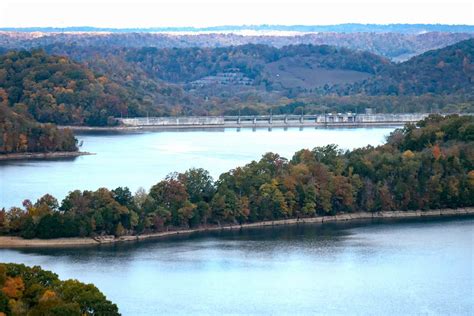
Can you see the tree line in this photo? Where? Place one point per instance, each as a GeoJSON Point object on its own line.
{"type": "Point", "coordinates": [429, 165]}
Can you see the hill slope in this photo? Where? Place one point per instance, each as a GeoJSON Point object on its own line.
{"type": "Point", "coordinates": [56, 89]}
{"type": "Point", "coordinates": [443, 71]}
{"type": "Point", "coordinates": [94, 84]}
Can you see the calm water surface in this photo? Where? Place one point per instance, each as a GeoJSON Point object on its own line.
{"type": "Point", "coordinates": [396, 268]}
{"type": "Point", "coordinates": [143, 159]}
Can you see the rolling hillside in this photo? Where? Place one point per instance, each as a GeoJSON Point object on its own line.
{"type": "Point", "coordinates": [444, 71]}
{"type": "Point", "coordinates": [392, 44]}
{"type": "Point", "coordinates": [306, 73]}
{"type": "Point", "coordinates": [70, 84]}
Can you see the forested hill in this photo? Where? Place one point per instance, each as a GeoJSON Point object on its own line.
{"type": "Point", "coordinates": [72, 85]}
{"type": "Point", "coordinates": [189, 64]}
{"type": "Point", "coordinates": [424, 166]}
{"type": "Point", "coordinates": [24, 99]}
{"type": "Point", "coordinates": [297, 68]}
{"type": "Point", "coordinates": [56, 89]}
{"type": "Point", "coordinates": [319, 78]}
{"type": "Point", "coordinates": [37, 88]}
{"type": "Point", "coordinates": [93, 85]}
{"type": "Point", "coordinates": [442, 71]}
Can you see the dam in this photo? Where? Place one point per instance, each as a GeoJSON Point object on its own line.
{"type": "Point", "coordinates": [268, 121]}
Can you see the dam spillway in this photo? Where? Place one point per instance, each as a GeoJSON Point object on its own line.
{"type": "Point", "coordinates": [254, 121]}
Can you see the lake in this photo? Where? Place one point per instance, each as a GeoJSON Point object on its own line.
{"type": "Point", "coordinates": [141, 159]}
{"type": "Point", "coordinates": [422, 267]}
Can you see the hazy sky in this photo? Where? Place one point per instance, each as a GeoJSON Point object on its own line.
{"type": "Point", "coordinates": [148, 13]}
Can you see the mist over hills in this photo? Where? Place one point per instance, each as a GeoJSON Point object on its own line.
{"type": "Point", "coordinates": [338, 28]}
{"type": "Point", "coordinates": [397, 46]}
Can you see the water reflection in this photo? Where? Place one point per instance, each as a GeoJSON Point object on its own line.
{"type": "Point", "coordinates": [423, 266]}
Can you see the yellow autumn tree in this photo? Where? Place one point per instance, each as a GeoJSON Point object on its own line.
{"type": "Point", "coordinates": [22, 142]}
{"type": "Point", "coordinates": [408, 154]}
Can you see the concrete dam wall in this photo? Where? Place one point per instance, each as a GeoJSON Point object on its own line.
{"type": "Point", "coordinates": [340, 119]}
{"type": "Point", "coordinates": [174, 121]}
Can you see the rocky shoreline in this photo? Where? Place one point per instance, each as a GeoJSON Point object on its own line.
{"type": "Point", "coordinates": [48, 155]}
{"type": "Point", "coordinates": [18, 242]}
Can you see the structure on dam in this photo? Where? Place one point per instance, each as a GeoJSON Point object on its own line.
{"type": "Point", "coordinates": [254, 121]}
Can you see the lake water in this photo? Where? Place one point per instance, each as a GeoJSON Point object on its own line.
{"type": "Point", "coordinates": [416, 267]}
{"type": "Point", "coordinates": [144, 158]}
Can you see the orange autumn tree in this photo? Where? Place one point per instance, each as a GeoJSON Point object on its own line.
{"type": "Point", "coordinates": [436, 152]}
{"type": "Point", "coordinates": [13, 287]}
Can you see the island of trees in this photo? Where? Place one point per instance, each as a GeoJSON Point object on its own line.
{"type": "Point", "coordinates": [425, 166]}
{"type": "Point", "coordinates": [33, 291]}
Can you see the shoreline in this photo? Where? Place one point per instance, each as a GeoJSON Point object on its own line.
{"type": "Point", "coordinates": [48, 155]}
{"type": "Point", "coordinates": [12, 242]}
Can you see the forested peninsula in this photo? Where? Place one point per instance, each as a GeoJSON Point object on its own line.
{"type": "Point", "coordinates": [21, 135]}
{"type": "Point", "coordinates": [427, 166]}
{"type": "Point", "coordinates": [35, 94]}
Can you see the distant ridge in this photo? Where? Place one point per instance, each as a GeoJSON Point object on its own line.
{"type": "Point", "coordinates": [337, 28]}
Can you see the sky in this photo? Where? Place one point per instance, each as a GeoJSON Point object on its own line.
{"type": "Point", "coordinates": [198, 13]}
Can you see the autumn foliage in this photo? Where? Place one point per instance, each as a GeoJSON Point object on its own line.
{"type": "Point", "coordinates": [21, 133]}
{"type": "Point", "coordinates": [33, 291]}
{"type": "Point", "coordinates": [424, 166]}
